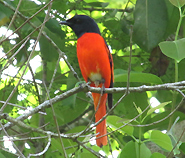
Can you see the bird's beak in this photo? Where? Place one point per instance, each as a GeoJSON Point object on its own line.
{"type": "Point", "coordinates": [64, 23]}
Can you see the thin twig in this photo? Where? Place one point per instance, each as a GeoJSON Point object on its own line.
{"type": "Point", "coordinates": [182, 134]}
{"type": "Point", "coordinates": [54, 73]}
{"type": "Point", "coordinates": [49, 39]}
{"type": "Point", "coordinates": [26, 21]}
{"type": "Point", "coordinates": [15, 105]}
{"type": "Point", "coordinates": [79, 117]}
{"type": "Point", "coordinates": [91, 120]}
{"type": "Point", "coordinates": [20, 154]}
{"type": "Point", "coordinates": [23, 139]}
{"type": "Point", "coordinates": [46, 104]}
{"type": "Point", "coordinates": [6, 150]}
{"type": "Point", "coordinates": [35, 84]}
{"type": "Point", "coordinates": [131, 120]}
{"type": "Point", "coordinates": [15, 88]}
{"type": "Point", "coordinates": [13, 18]}
{"type": "Point", "coordinates": [156, 122]}
{"type": "Point", "coordinates": [89, 149]}
{"type": "Point", "coordinates": [45, 149]}
{"type": "Point", "coordinates": [86, 88]}
{"type": "Point", "coordinates": [11, 58]}
{"type": "Point", "coordinates": [170, 114]}
{"type": "Point", "coordinates": [130, 59]}
{"type": "Point", "coordinates": [29, 58]}
{"type": "Point", "coordinates": [56, 122]}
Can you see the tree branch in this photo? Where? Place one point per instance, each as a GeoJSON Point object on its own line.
{"type": "Point", "coordinates": [86, 88]}
{"type": "Point", "coordinates": [46, 104]}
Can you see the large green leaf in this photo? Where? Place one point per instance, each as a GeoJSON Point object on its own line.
{"type": "Point", "coordinates": [47, 49]}
{"type": "Point", "coordinates": [127, 107]}
{"type": "Point", "coordinates": [174, 49]}
{"type": "Point", "coordinates": [182, 147]}
{"type": "Point", "coordinates": [161, 139]}
{"type": "Point", "coordinates": [4, 11]}
{"type": "Point", "coordinates": [122, 75]}
{"type": "Point", "coordinates": [68, 109]}
{"type": "Point", "coordinates": [173, 19]}
{"type": "Point", "coordinates": [177, 3]}
{"type": "Point", "coordinates": [157, 155]}
{"type": "Point", "coordinates": [4, 154]}
{"type": "Point", "coordinates": [49, 53]}
{"type": "Point", "coordinates": [62, 6]}
{"type": "Point", "coordinates": [116, 122]}
{"type": "Point", "coordinates": [150, 23]}
{"type": "Point", "coordinates": [133, 149]}
{"type": "Point", "coordinates": [129, 150]}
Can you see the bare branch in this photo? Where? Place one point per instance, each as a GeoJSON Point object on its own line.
{"type": "Point", "coordinates": [89, 149]}
{"type": "Point", "coordinates": [45, 149]}
{"type": "Point", "coordinates": [56, 122]}
{"type": "Point", "coordinates": [86, 88]}
{"type": "Point", "coordinates": [26, 21]}
{"type": "Point", "coordinates": [20, 154]}
{"type": "Point", "coordinates": [46, 104]}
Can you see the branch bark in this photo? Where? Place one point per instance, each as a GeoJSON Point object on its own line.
{"type": "Point", "coordinates": [86, 88]}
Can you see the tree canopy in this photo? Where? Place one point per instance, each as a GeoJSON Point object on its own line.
{"type": "Point", "coordinates": [46, 108]}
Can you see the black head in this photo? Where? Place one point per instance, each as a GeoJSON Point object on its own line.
{"type": "Point", "coordinates": [82, 24]}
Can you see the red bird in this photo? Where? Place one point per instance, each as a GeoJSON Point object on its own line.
{"type": "Point", "coordinates": [96, 64]}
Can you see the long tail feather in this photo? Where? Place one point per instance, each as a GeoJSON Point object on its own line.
{"type": "Point", "coordinates": [100, 128]}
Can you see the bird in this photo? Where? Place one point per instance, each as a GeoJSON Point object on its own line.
{"type": "Point", "coordinates": [96, 65]}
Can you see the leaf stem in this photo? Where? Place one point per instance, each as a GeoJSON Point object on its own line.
{"type": "Point", "coordinates": [179, 24]}
{"type": "Point", "coordinates": [140, 134]}
{"type": "Point", "coordinates": [176, 67]}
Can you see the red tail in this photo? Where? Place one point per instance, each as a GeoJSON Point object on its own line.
{"type": "Point", "coordinates": [100, 128]}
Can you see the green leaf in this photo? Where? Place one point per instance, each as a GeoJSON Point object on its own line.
{"type": "Point", "coordinates": [4, 11]}
{"type": "Point", "coordinates": [67, 112]}
{"type": "Point", "coordinates": [150, 23]}
{"type": "Point", "coordinates": [182, 147]}
{"type": "Point", "coordinates": [122, 75]}
{"type": "Point", "coordinates": [144, 151]}
{"type": "Point", "coordinates": [126, 108]}
{"type": "Point", "coordinates": [2, 156]}
{"type": "Point", "coordinates": [56, 145]}
{"type": "Point", "coordinates": [84, 154]}
{"type": "Point", "coordinates": [54, 26]}
{"type": "Point", "coordinates": [161, 139]}
{"type": "Point", "coordinates": [157, 155]}
{"type": "Point", "coordinates": [28, 7]}
{"type": "Point", "coordinates": [71, 81]}
{"type": "Point", "coordinates": [65, 6]}
{"type": "Point", "coordinates": [48, 52]}
{"type": "Point", "coordinates": [173, 19]}
{"type": "Point", "coordinates": [174, 49]}
{"type": "Point", "coordinates": [131, 150]}
{"type": "Point", "coordinates": [116, 122]}
{"type": "Point", "coordinates": [177, 3]}
{"type": "Point", "coordinates": [158, 107]}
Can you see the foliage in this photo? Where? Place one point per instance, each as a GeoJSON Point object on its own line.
{"type": "Point", "coordinates": [42, 91]}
